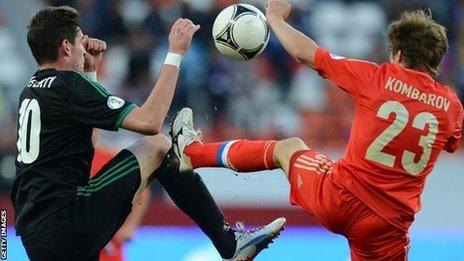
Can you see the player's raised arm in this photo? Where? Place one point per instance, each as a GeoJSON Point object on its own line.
{"type": "Point", "coordinates": [149, 117]}
{"type": "Point", "coordinates": [298, 45]}
{"type": "Point", "coordinates": [348, 74]}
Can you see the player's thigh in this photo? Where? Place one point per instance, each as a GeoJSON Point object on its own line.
{"type": "Point", "coordinates": [311, 186]}
{"type": "Point", "coordinates": [102, 206]}
{"type": "Point", "coordinates": [150, 152]}
{"type": "Point", "coordinates": [372, 238]}
{"type": "Point", "coordinates": [53, 238]}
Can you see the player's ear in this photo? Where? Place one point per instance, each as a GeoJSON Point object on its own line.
{"type": "Point", "coordinates": [400, 57]}
{"type": "Point", "coordinates": [65, 48]}
{"type": "Point", "coordinates": [396, 57]}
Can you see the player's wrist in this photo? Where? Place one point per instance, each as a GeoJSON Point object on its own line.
{"type": "Point", "coordinates": [173, 59]}
{"type": "Point", "coordinates": [272, 19]}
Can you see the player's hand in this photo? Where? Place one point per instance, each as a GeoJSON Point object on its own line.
{"type": "Point", "coordinates": [181, 35]}
{"type": "Point", "coordinates": [277, 9]}
{"type": "Point", "coordinates": [94, 53]}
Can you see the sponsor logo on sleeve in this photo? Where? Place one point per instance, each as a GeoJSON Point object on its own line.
{"type": "Point", "coordinates": [336, 57]}
{"type": "Point", "coordinates": [115, 102]}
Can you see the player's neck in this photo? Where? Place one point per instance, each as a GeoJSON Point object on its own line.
{"type": "Point", "coordinates": [401, 64]}
{"type": "Point", "coordinates": [413, 69]}
{"type": "Point", "coordinates": [58, 65]}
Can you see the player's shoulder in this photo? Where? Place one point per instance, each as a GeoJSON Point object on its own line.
{"type": "Point", "coordinates": [45, 79]}
{"type": "Point", "coordinates": [72, 77]}
{"type": "Point", "coordinates": [76, 82]}
{"type": "Point", "coordinates": [53, 78]}
{"type": "Point", "coordinates": [448, 91]}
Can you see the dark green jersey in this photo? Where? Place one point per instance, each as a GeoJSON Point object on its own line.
{"type": "Point", "coordinates": [57, 113]}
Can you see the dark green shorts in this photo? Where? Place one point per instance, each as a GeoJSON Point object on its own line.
{"type": "Point", "coordinates": [86, 224]}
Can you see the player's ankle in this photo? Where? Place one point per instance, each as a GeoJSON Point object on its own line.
{"type": "Point", "coordinates": [188, 162]}
{"type": "Point", "coordinates": [227, 245]}
{"type": "Point", "coordinates": [196, 147]}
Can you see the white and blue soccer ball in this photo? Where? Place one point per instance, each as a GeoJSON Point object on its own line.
{"type": "Point", "coordinates": [240, 32]}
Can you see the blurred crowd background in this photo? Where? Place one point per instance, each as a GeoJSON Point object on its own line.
{"type": "Point", "coordinates": [271, 96]}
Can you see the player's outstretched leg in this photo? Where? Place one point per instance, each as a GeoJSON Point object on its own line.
{"type": "Point", "coordinates": [238, 155]}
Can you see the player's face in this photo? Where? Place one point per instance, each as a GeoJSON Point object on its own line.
{"type": "Point", "coordinates": [77, 52]}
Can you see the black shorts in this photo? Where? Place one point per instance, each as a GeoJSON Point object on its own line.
{"type": "Point", "coordinates": [86, 224]}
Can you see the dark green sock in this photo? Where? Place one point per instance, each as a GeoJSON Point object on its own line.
{"type": "Point", "coordinates": [190, 194]}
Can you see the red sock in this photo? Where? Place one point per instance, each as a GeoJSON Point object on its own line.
{"type": "Point", "coordinates": [239, 155]}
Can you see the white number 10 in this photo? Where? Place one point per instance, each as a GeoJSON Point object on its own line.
{"type": "Point", "coordinates": [29, 131]}
{"type": "Point", "coordinates": [374, 151]}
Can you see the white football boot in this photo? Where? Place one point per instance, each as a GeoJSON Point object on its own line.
{"type": "Point", "coordinates": [251, 242]}
{"type": "Point", "coordinates": [183, 133]}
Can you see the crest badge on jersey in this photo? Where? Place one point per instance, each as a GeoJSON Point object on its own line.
{"type": "Point", "coordinates": [115, 102]}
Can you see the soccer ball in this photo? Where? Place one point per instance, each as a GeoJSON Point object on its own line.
{"type": "Point", "coordinates": [240, 32]}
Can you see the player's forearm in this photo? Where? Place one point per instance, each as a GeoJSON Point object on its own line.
{"type": "Point", "coordinates": [149, 118]}
{"type": "Point", "coordinates": [298, 45]}
{"type": "Point", "coordinates": [156, 107]}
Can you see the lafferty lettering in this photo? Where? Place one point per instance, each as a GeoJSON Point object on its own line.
{"type": "Point", "coordinates": [44, 83]}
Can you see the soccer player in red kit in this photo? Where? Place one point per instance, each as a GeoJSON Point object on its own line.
{"type": "Point", "coordinates": [403, 120]}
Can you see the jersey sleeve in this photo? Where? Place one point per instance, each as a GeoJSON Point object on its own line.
{"type": "Point", "coordinates": [452, 144]}
{"type": "Point", "coordinates": [89, 103]}
{"type": "Point", "coordinates": [349, 74]}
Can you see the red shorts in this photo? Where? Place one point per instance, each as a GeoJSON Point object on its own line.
{"type": "Point", "coordinates": [112, 252]}
{"type": "Point", "coordinates": [314, 189]}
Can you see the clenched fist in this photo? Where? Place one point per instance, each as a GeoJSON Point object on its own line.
{"type": "Point", "coordinates": [277, 9]}
{"type": "Point", "coordinates": [94, 53]}
{"type": "Point", "coordinates": [181, 35]}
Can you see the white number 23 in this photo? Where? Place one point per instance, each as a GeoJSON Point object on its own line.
{"type": "Point", "coordinates": [374, 151]}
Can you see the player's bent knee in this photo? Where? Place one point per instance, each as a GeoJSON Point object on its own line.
{"type": "Point", "coordinates": [284, 150]}
{"type": "Point", "coordinates": [160, 145]}
{"type": "Point", "coordinates": [289, 146]}
{"type": "Point", "coordinates": [295, 142]}
{"type": "Point", "coordinates": [156, 146]}
{"type": "Point", "coordinates": [150, 152]}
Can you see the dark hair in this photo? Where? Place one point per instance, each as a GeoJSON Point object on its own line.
{"type": "Point", "coordinates": [421, 40]}
{"type": "Point", "coordinates": [47, 30]}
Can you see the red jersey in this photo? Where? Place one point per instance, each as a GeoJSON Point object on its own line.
{"type": "Point", "coordinates": [403, 119]}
